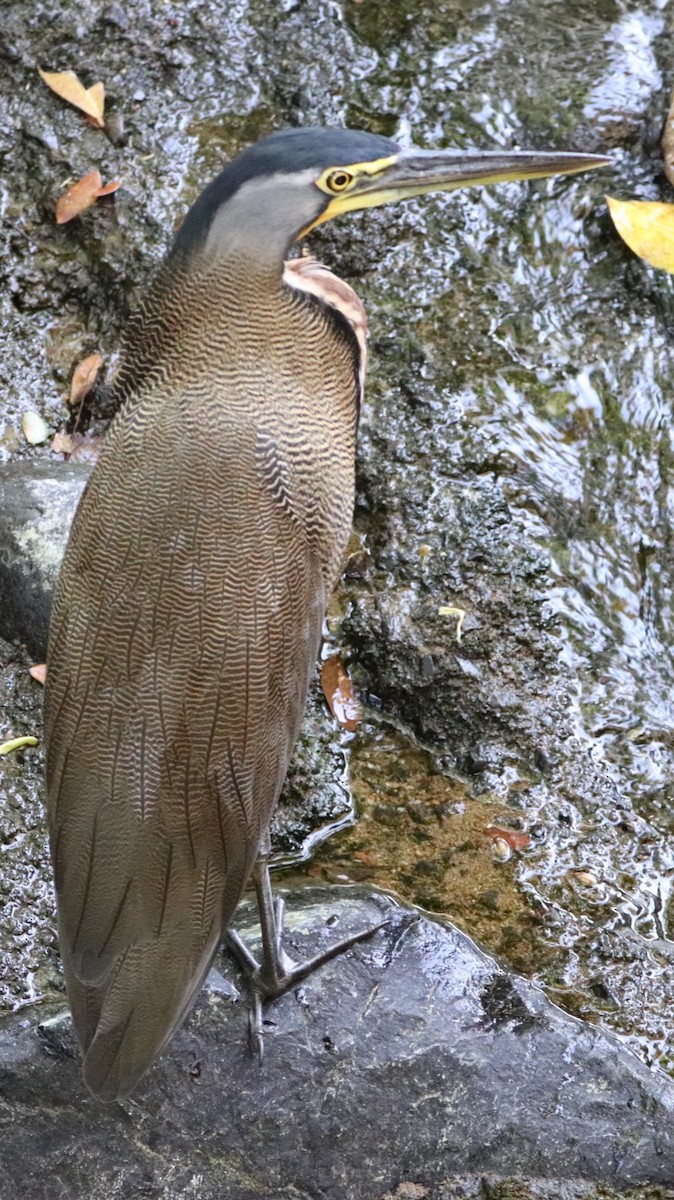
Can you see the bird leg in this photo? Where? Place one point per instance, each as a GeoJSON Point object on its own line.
{"type": "Point", "coordinates": [276, 972]}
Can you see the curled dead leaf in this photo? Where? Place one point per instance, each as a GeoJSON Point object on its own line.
{"type": "Point", "coordinates": [35, 428]}
{"type": "Point", "coordinates": [109, 188]}
{"type": "Point", "coordinates": [338, 690]}
{"type": "Point", "coordinates": [89, 100]}
{"type": "Point", "coordinates": [62, 443]}
{"type": "Point", "coordinates": [96, 94]}
{"type": "Point", "coordinates": [515, 839]}
{"type": "Point", "coordinates": [17, 744]}
{"type": "Point", "coordinates": [366, 858]}
{"type": "Point", "coordinates": [82, 195]}
{"type": "Point", "coordinates": [39, 672]}
{"type": "Point", "coordinates": [78, 197]}
{"type": "Point", "coordinates": [84, 378]}
{"type": "Point", "coordinates": [86, 447]}
{"type": "Point", "coordinates": [648, 229]}
{"type": "Point", "coordinates": [77, 447]}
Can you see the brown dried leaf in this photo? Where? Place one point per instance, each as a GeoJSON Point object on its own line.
{"type": "Point", "coordinates": [109, 188]}
{"type": "Point", "coordinates": [82, 195]}
{"type": "Point", "coordinates": [39, 672]}
{"type": "Point", "coordinates": [86, 447]}
{"type": "Point", "coordinates": [96, 94]}
{"type": "Point", "coordinates": [62, 443]}
{"type": "Point", "coordinates": [66, 85]}
{"type": "Point", "coordinates": [338, 690]}
{"type": "Point", "coordinates": [366, 858]}
{"type": "Point", "coordinates": [79, 197]}
{"type": "Point", "coordinates": [78, 447]}
{"type": "Point", "coordinates": [84, 378]}
{"type": "Point", "coordinates": [515, 839]}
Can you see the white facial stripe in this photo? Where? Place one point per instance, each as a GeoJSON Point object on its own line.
{"type": "Point", "coordinates": [262, 216]}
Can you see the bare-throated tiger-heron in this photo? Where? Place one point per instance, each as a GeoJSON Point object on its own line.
{"type": "Point", "coordinates": [187, 616]}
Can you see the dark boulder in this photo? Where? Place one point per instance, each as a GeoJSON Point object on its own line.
{"type": "Point", "coordinates": [413, 1066]}
{"type": "Point", "coordinates": [37, 504]}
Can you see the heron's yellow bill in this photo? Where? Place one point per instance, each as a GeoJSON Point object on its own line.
{"type": "Point", "coordinates": [415, 172]}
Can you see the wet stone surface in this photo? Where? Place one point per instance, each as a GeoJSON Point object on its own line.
{"type": "Point", "coordinates": [515, 460]}
{"type": "Point", "coordinates": [37, 505]}
{"type": "Point", "coordinates": [385, 1073]}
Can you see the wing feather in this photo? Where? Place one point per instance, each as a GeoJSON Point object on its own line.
{"type": "Point", "coordinates": [170, 719]}
{"type": "Point", "coordinates": [185, 627]}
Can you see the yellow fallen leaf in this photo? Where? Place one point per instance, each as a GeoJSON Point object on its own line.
{"type": "Point", "coordinates": [16, 744]}
{"type": "Point", "coordinates": [35, 428]}
{"type": "Point", "coordinates": [97, 97]}
{"type": "Point", "coordinates": [448, 610]}
{"type": "Point", "coordinates": [648, 229]}
{"type": "Point", "coordinates": [68, 87]}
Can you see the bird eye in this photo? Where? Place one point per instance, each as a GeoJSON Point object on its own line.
{"type": "Point", "coordinates": [337, 181]}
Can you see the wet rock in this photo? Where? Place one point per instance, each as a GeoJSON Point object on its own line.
{"type": "Point", "coordinates": [37, 505]}
{"type": "Point", "coordinates": [29, 966]}
{"type": "Point", "coordinates": [384, 1073]}
{"type": "Point", "coordinates": [515, 430]}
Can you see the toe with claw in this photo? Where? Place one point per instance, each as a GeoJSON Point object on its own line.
{"type": "Point", "coordinates": [276, 972]}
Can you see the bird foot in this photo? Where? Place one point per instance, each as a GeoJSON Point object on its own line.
{"type": "Point", "coordinates": [276, 973]}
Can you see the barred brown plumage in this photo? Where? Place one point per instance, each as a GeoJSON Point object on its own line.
{"type": "Point", "coordinates": [187, 616]}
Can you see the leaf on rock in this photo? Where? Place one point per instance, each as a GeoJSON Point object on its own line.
{"type": "Point", "coordinates": [648, 229]}
{"type": "Point", "coordinates": [79, 197]}
{"type": "Point", "coordinates": [450, 610]}
{"type": "Point", "coordinates": [515, 839]}
{"type": "Point", "coordinates": [35, 428]}
{"type": "Point", "coordinates": [96, 94]}
{"type": "Point", "coordinates": [86, 447]}
{"type": "Point", "coordinates": [338, 690]}
{"type": "Point", "coordinates": [62, 443]}
{"type": "Point", "coordinates": [82, 195]}
{"type": "Point", "coordinates": [77, 447]}
{"type": "Point", "coordinates": [39, 672]}
{"type": "Point", "coordinates": [109, 188]}
{"type": "Point", "coordinates": [84, 378]}
{"type": "Point", "coordinates": [668, 142]}
{"type": "Point", "coordinates": [89, 100]}
{"type": "Point", "coordinates": [17, 744]}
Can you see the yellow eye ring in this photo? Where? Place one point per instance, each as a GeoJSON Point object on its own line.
{"type": "Point", "coordinates": [338, 180]}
